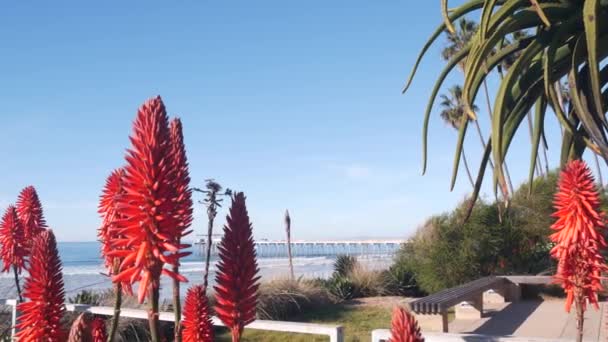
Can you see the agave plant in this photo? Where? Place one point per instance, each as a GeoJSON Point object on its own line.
{"type": "Point", "coordinates": [183, 206]}
{"type": "Point", "coordinates": [41, 316]}
{"type": "Point", "coordinates": [579, 239]}
{"type": "Point", "coordinates": [237, 277]}
{"type": "Point", "coordinates": [564, 39]}
{"type": "Point", "coordinates": [13, 252]}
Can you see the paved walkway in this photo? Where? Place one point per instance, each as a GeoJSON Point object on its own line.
{"type": "Point", "coordinates": [544, 319]}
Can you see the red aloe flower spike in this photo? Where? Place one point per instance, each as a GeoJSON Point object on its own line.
{"type": "Point", "coordinates": [404, 327]}
{"type": "Point", "coordinates": [30, 213]}
{"type": "Point", "coordinates": [196, 325]}
{"type": "Point", "coordinates": [40, 318]}
{"type": "Point", "coordinates": [578, 239]}
{"type": "Point", "coordinates": [183, 206]}
{"type": "Point", "coordinates": [237, 275]}
{"type": "Point", "coordinates": [148, 207]}
{"type": "Point", "coordinates": [80, 331]}
{"type": "Point", "coordinates": [13, 251]}
{"type": "Point", "coordinates": [98, 330]}
{"type": "Point", "coordinates": [108, 232]}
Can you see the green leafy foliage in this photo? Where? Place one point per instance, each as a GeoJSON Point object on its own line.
{"type": "Point", "coordinates": [448, 251]}
{"type": "Point", "coordinates": [540, 45]}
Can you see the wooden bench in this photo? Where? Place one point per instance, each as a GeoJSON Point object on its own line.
{"type": "Point", "coordinates": [468, 299]}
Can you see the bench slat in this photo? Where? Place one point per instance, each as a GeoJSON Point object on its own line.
{"type": "Point", "coordinates": [441, 301]}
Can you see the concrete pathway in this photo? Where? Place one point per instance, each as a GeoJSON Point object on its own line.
{"type": "Point", "coordinates": [543, 319]}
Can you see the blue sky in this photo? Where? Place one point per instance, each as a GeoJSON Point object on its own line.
{"type": "Point", "coordinates": [296, 103]}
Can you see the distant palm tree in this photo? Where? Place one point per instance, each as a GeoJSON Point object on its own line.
{"type": "Point", "coordinates": [452, 111]}
{"type": "Point", "coordinates": [455, 43]}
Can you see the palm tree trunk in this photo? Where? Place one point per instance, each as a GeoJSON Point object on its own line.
{"type": "Point", "coordinates": [506, 169]}
{"type": "Point", "coordinates": [466, 167]}
{"type": "Point", "coordinates": [211, 218]}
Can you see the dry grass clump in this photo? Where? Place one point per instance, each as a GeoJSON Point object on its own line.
{"type": "Point", "coordinates": [367, 282]}
{"type": "Point", "coordinates": [282, 298]}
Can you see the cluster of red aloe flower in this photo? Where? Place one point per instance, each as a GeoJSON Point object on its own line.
{"type": "Point", "coordinates": [40, 318]}
{"type": "Point", "coordinates": [153, 211]}
{"type": "Point", "coordinates": [197, 326]}
{"type": "Point", "coordinates": [404, 327]}
{"type": "Point", "coordinates": [183, 205]}
{"type": "Point", "coordinates": [80, 330]}
{"type": "Point", "coordinates": [13, 252]}
{"type": "Point", "coordinates": [578, 238]}
{"type": "Point", "coordinates": [146, 209]}
{"type": "Point", "coordinates": [87, 329]}
{"type": "Point", "coordinates": [98, 330]}
{"type": "Point", "coordinates": [148, 224]}
{"type": "Point", "coordinates": [237, 276]}
{"type": "Point", "coordinates": [30, 213]}
{"type": "Point", "coordinates": [108, 232]}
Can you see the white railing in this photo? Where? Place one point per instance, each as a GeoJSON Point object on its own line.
{"type": "Point", "coordinates": [334, 332]}
{"type": "Point", "coordinates": [382, 335]}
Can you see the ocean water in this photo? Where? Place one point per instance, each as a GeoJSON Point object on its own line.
{"type": "Point", "coordinates": [83, 269]}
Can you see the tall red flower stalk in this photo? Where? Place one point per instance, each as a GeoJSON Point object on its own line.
{"type": "Point", "coordinates": [98, 330]}
{"type": "Point", "coordinates": [196, 325]}
{"type": "Point", "coordinates": [13, 251]}
{"type": "Point", "coordinates": [183, 205]}
{"type": "Point", "coordinates": [404, 327]}
{"type": "Point", "coordinates": [30, 213]}
{"type": "Point", "coordinates": [578, 239]}
{"type": "Point", "coordinates": [108, 235]}
{"type": "Point", "coordinates": [237, 276]}
{"type": "Point", "coordinates": [148, 226]}
{"type": "Point", "coordinates": [40, 318]}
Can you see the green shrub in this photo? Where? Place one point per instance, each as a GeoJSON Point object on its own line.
{"type": "Point", "coordinates": [401, 281]}
{"type": "Point", "coordinates": [448, 251]}
{"type": "Point", "coordinates": [86, 297]}
{"type": "Point", "coordinates": [344, 265]}
{"type": "Point", "coordinates": [340, 288]}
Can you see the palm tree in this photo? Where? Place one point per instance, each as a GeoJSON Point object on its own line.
{"type": "Point", "coordinates": [456, 42]}
{"type": "Point", "coordinates": [452, 112]}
